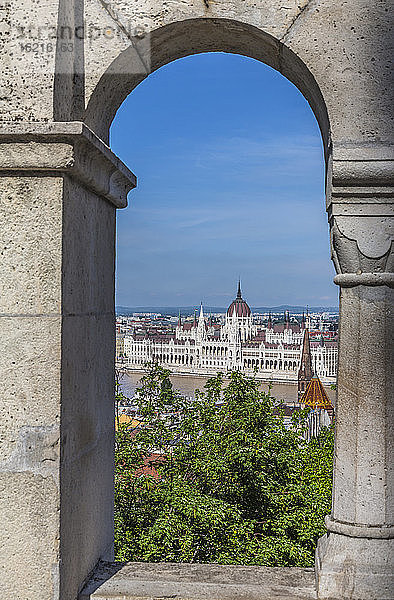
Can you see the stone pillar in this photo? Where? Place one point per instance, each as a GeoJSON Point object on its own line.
{"type": "Point", "coordinates": [355, 558]}
{"type": "Point", "coordinates": [59, 190]}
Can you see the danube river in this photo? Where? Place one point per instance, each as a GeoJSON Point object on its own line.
{"type": "Point", "coordinates": [187, 384]}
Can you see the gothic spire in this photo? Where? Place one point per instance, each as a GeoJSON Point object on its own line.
{"type": "Point", "coordinates": [306, 357]}
{"type": "Point", "coordinates": [201, 312]}
{"type": "Point", "coordinates": [201, 330]}
{"type": "Point", "coordinates": [239, 295]}
{"type": "Point", "coordinates": [305, 372]}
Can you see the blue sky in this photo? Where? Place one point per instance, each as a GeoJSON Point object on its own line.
{"type": "Point", "coordinates": [230, 172]}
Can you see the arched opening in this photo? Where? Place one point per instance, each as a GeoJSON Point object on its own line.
{"type": "Point", "coordinates": [204, 353]}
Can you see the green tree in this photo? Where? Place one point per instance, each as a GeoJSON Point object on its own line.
{"type": "Point", "coordinates": [233, 485]}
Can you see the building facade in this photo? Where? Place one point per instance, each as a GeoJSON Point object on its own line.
{"type": "Point", "coordinates": [202, 347]}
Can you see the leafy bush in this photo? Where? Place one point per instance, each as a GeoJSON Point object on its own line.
{"type": "Point", "coordinates": [230, 484]}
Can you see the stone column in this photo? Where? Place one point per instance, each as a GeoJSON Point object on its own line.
{"type": "Point", "coordinates": [59, 190]}
{"type": "Point", "coordinates": [355, 558]}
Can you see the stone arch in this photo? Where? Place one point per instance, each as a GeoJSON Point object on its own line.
{"type": "Point", "coordinates": [194, 36]}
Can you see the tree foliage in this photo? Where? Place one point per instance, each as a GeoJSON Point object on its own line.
{"type": "Point", "coordinates": [232, 484]}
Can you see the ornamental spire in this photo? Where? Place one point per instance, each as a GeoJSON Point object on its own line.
{"type": "Point", "coordinates": [201, 333]}
{"type": "Point", "coordinates": [239, 295]}
{"type": "Point", "coordinates": [201, 312]}
{"type": "Point", "coordinates": [305, 372]}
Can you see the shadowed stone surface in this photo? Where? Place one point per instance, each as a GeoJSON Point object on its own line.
{"type": "Point", "coordinates": [144, 581]}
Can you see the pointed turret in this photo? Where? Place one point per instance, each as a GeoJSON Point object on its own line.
{"type": "Point", "coordinates": [239, 295]}
{"type": "Point", "coordinates": [315, 398]}
{"type": "Point", "coordinates": [201, 316]}
{"type": "Point", "coordinates": [315, 395]}
{"type": "Point", "coordinates": [287, 325]}
{"type": "Point", "coordinates": [179, 319]}
{"type": "Point", "coordinates": [305, 372]}
{"type": "Point", "coordinates": [269, 325]}
{"type": "Point", "coordinates": [201, 333]}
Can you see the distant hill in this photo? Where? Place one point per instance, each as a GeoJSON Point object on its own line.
{"type": "Point", "coordinates": [167, 310]}
{"type": "Point", "coordinates": [189, 310]}
{"type": "Point", "coordinates": [295, 309]}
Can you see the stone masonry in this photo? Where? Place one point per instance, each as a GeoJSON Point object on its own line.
{"type": "Point", "coordinates": [67, 67]}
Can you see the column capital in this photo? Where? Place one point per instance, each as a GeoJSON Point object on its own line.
{"type": "Point", "coordinates": [68, 148]}
{"type": "Point", "coordinates": [360, 193]}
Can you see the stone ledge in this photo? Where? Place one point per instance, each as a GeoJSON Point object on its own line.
{"type": "Point", "coordinates": [65, 148]}
{"type": "Point", "coordinates": [363, 165]}
{"type": "Point", "coordinates": [157, 581]}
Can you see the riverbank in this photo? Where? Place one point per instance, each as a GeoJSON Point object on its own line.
{"type": "Point", "coordinates": [288, 380]}
{"type": "Point", "coordinates": [188, 384]}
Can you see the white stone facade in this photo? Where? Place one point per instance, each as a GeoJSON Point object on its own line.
{"type": "Point", "coordinates": [272, 352]}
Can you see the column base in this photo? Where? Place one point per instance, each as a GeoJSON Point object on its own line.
{"type": "Point", "coordinates": [354, 568]}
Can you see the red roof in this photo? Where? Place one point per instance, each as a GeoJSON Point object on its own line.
{"type": "Point", "coordinates": [239, 307]}
{"type": "Point", "coordinates": [149, 465]}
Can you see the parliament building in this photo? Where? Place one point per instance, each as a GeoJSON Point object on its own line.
{"type": "Point", "coordinates": [204, 347]}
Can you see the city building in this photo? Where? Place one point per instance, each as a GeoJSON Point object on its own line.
{"type": "Point", "coordinates": [203, 346]}
{"type": "Point", "coordinates": [311, 393]}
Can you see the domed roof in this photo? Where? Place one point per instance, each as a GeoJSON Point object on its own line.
{"type": "Point", "coordinates": [239, 307]}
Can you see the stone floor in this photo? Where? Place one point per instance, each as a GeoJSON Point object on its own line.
{"type": "Point", "coordinates": [159, 581]}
